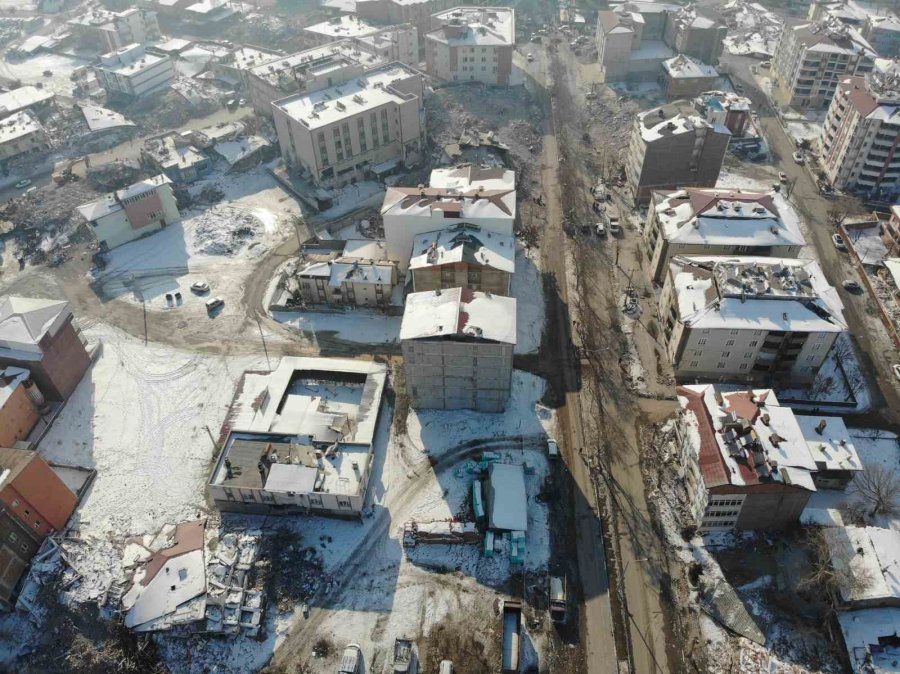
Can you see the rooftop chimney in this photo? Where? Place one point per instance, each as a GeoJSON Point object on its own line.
{"type": "Point", "coordinates": [820, 427]}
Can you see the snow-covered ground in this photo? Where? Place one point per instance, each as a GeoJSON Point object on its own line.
{"type": "Point", "coordinates": [831, 384]}
{"type": "Point", "coordinates": [363, 326]}
{"type": "Point", "coordinates": [732, 179]}
{"type": "Point", "coordinates": [35, 70]}
{"type": "Point", "coordinates": [140, 418]}
{"type": "Point", "coordinates": [220, 245]}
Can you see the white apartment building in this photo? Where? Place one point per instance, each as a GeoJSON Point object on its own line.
{"type": "Point", "coordinates": [812, 58]}
{"type": "Point", "coordinates": [860, 137]}
{"type": "Point", "coordinates": [132, 212]}
{"type": "Point", "coordinates": [883, 33]}
{"type": "Point", "coordinates": [105, 31]}
{"type": "Point", "coordinates": [696, 221]}
{"type": "Point", "coordinates": [21, 134]}
{"type": "Point", "coordinates": [748, 318]}
{"type": "Point", "coordinates": [472, 44]}
{"type": "Point", "coordinates": [391, 43]}
{"type": "Point", "coordinates": [416, 12]}
{"type": "Point", "coordinates": [132, 72]}
{"type": "Point", "coordinates": [458, 349]}
{"type": "Point", "coordinates": [485, 197]}
{"type": "Point", "coordinates": [360, 128]}
{"type": "Point", "coordinates": [306, 72]}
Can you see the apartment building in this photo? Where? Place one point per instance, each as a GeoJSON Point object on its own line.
{"type": "Point", "coordinates": [133, 73]}
{"type": "Point", "coordinates": [34, 502]}
{"type": "Point", "coordinates": [41, 336]}
{"type": "Point", "coordinates": [686, 77]}
{"type": "Point", "coordinates": [635, 38]}
{"type": "Point", "coordinates": [758, 462]}
{"type": "Point", "coordinates": [860, 137]}
{"type": "Point", "coordinates": [237, 63]}
{"type": "Point", "coordinates": [299, 439]}
{"type": "Point", "coordinates": [131, 213]}
{"type": "Point", "coordinates": [471, 44]}
{"type": "Point", "coordinates": [22, 134]}
{"type": "Point", "coordinates": [484, 197]}
{"type": "Point", "coordinates": [458, 348]}
{"type": "Point", "coordinates": [847, 12]}
{"type": "Point", "coordinates": [697, 221]}
{"type": "Point", "coordinates": [672, 146]}
{"type": "Point", "coordinates": [883, 33]}
{"type": "Point", "coordinates": [463, 256]}
{"type": "Point", "coordinates": [812, 58]}
{"type": "Point", "coordinates": [415, 12]}
{"type": "Point", "coordinates": [103, 31]}
{"type": "Point", "coordinates": [394, 43]}
{"type": "Point", "coordinates": [748, 318]}
{"type": "Point", "coordinates": [348, 281]}
{"type": "Point", "coordinates": [20, 405]}
{"type": "Point", "coordinates": [361, 128]}
{"type": "Point", "coordinates": [39, 101]}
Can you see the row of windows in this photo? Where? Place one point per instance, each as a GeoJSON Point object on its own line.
{"type": "Point", "coordinates": [343, 148]}
{"type": "Point", "coordinates": [725, 501]}
{"type": "Point", "coordinates": [720, 513]}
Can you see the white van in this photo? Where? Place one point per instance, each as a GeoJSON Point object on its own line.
{"type": "Point", "coordinates": [552, 448]}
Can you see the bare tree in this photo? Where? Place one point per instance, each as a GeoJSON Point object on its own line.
{"type": "Point", "coordinates": [829, 570]}
{"type": "Point", "coordinates": [879, 490]}
{"type": "Point", "coordinates": [842, 208]}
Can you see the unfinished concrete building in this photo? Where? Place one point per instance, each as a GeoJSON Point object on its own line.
{"type": "Point", "coordinates": [458, 348]}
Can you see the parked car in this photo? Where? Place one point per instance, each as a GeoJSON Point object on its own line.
{"type": "Point", "coordinates": [214, 303]}
{"type": "Point", "coordinates": [600, 228]}
{"type": "Point", "coordinates": [851, 286]}
{"type": "Point", "coordinates": [896, 370]}
{"type": "Point", "coordinates": [782, 176]}
{"type": "Point", "coordinates": [598, 207]}
{"type": "Point", "coordinates": [530, 57]}
{"type": "Point", "coordinates": [25, 182]}
{"type": "Point", "coordinates": [799, 158]}
{"type": "Point", "coordinates": [838, 242]}
{"type": "Point", "coordinates": [200, 287]}
{"type": "Point", "coordinates": [558, 600]}
{"type": "Point", "coordinates": [825, 188]}
{"type": "Point", "coordinates": [765, 64]}
{"type": "Point", "coordinates": [552, 448]}
{"type": "Point", "coordinates": [614, 227]}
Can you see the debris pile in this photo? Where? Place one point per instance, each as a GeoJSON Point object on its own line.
{"type": "Point", "coordinates": [224, 230]}
{"type": "Point", "coordinates": [752, 29]}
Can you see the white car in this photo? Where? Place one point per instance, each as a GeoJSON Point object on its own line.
{"type": "Point", "coordinates": [798, 157]}
{"type": "Point", "coordinates": [200, 287]}
{"type": "Point", "coordinates": [214, 303]}
{"type": "Point", "coordinates": [25, 182]}
{"type": "Point", "coordinates": [614, 227]}
{"type": "Point", "coordinates": [896, 369]}
{"type": "Point", "coordinates": [838, 242]}
{"type": "Point", "coordinates": [600, 228]}
{"type": "Point", "coordinates": [552, 448]}
{"type": "Point", "coordinates": [530, 57]}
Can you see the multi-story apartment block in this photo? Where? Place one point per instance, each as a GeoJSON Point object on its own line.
{"type": "Point", "coordinates": [812, 58]}
{"type": "Point", "coordinates": [635, 38]}
{"type": "Point", "coordinates": [883, 33]}
{"type": "Point", "coordinates": [350, 282]}
{"type": "Point", "coordinates": [39, 101]}
{"type": "Point", "coordinates": [861, 135]}
{"type": "Point", "coordinates": [34, 502]}
{"type": "Point", "coordinates": [698, 221]}
{"type": "Point", "coordinates": [416, 12]}
{"type": "Point", "coordinates": [363, 127]}
{"type": "Point", "coordinates": [748, 318]}
{"type": "Point", "coordinates": [463, 256]}
{"type": "Point", "coordinates": [21, 134]}
{"type": "Point", "coordinates": [104, 31]}
{"type": "Point", "coordinates": [133, 73]}
{"type": "Point", "coordinates": [458, 348]}
{"type": "Point", "coordinates": [466, 194]}
{"type": "Point", "coordinates": [673, 146]}
{"type": "Point", "coordinates": [472, 44]}
{"type": "Point", "coordinates": [41, 336]}
{"type": "Point", "coordinates": [847, 12]}
{"type": "Point", "coordinates": [686, 77]}
{"type": "Point", "coordinates": [758, 462]}
{"type": "Point", "coordinates": [391, 43]}
{"type": "Point", "coordinates": [132, 212]}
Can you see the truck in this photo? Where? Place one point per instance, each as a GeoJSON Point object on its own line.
{"type": "Point", "coordinates": [405, 660]}
{"type": "Point", "coordinates": [512, 632]}
{"type": "Point", "coordinates": [558, 603]}
{"type": "Point", "coordinates": [351, 660]}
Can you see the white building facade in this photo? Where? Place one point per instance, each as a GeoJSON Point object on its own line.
{"type": "Point", "coordinates": [472, 44]}
{"type": "Point", "coordinates": [133, 73]}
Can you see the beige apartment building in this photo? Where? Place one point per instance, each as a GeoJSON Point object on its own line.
{"type": "Point", "coordinates": [391, 43]}
{"type": "Point", "coordinates": [22, 134]}
{"type": "Point", "coordinates": [748, 318]}
{"type": "Point", "coordinates": [458, 349]}
{"type": "Point", "coordinates": [472, 44]}
{"type": "Point", "coordinates": [463, 256]}
{"type": "Point", "coordinates": [416, 12]}
{"type": "Point", "coordinates": [697, 221]}
{"type": "Point", "coordinates": [358, 129]}
{"type": "Point", "coordinates": [686, 77]}
{"type": "Point", "coordinates": [672, 146]}
{"type": "Point", "coordinates": [812, 58]}
{"type": "Point", "coordinates": [860, 137]}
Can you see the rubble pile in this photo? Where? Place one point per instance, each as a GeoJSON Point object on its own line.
{"type": "Point", "coordinates": [115, 175]}
{"type": "Point", "coordinates": [49, 210]}
{"type": "Point", "coordinates": [752, 29]}
{"type": "Point", "coordinates": [224, 230]}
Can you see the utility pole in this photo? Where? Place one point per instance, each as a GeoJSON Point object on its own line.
{"type": "Point", "coordinates": [263, 338]}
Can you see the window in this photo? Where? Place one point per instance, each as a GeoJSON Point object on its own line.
{"type": "Point", "coordinates": [720, 365]}
{"type": "Point", "coordinates": [755, 342]}
{"type": "Point", "coordinates": [743, 366]}
{"type": "Point", "coordinates": [348, 146]}
{"type": "Point", "coordinates": [695, 363]}
{"type": "Point", "coordinates": [730, 342]}
{"type": "Point", "coordinates": [704, 332]}
{"type": "Point", "coordinates": [373, 128]}
{"type": "Point", "coordinates": [12, 537]}
{"type": "Point", "coordinates": [27, 512]}
{"type": "Point", "coordinates": [734, 332]}
{"type": "Point", "coordinates": [23, 548]}
{"type": "Point", "coordinates": [701, 341]}
{"type": "Point", "coordinates": [37, 524]}
{"type": "Point", "coordinates": [748, 354]}
{"type": "Point", "coordinates": [810, 359]}
{"type": "Point", "coordinates": [361, 130]}
{"type": "Point", "coordinates": [385, 131]}
{"type": "Point", "coordinates": [816, 347]}
{"type": "Point", "coordinates": [726, 354]}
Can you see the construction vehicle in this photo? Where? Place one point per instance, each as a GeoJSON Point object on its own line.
{"type": "Point", "coordinates": [405, 659]}
{"type": "Point", "coordinates": [62, 172]}
{"type": "Point", "coordinates": [351, 660]}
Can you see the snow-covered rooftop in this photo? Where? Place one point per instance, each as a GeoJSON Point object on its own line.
{"type": "Point", "coordinates": [686, 67]}
{"type": "Point", "coordinates": [10, 378]}
{"type": "Point", "coordinates": [339, 271]}
{"type": "Point", "coordinates": [245, 58]}
{"type": "Point", "coordinates": [872, 555]}
{"type": "Point", "coordinates": [18, 125]}
{"type": "Point", "coordinates": [22, 98]}
{"type": "Point", "coordinates": [342, 26]}
{"type": "Point", "coordinates": [459, 312]}
{"type": "Point", "coordinates": [721, 217]}
{"type": "Point", "coordinates": [870, 636]}
{"type": "Point", "coordinates": [506, 497]}
{"type": "Point", "coordinates": [759, 293]}
{"type": "Point", "coordinates": [233, 151]}
{"type": "Point", "coordinates": [25, 320]}
{"type": "Point", "coordinates": [274, 69]}
{"type": "Point", "coordinates": [464, 243]}
{"type": "Point", "coordinates": [371, 91]}
{"type": "Point", "coordinates": [99, 119]}
{"type": "Point", "coordinates": [832, 448]}
{"type": "Point", "coordinates": [482, 26]}
{"type": "Point", "coordinates": [832, 37]}
{"type": "Point", "coordinates": [747, 437]}
{"type": "Point", "coordinates": [112, 202]}
{"type": "Point", "coordinates": [673, 119]}
{"type": "Point", "coordinates": [130, 60]}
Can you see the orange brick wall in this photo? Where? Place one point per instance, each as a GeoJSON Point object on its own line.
{"type": "Point", "coordinates": [39, 499]}
{"type": "Point", "coordinates": [17, 417]}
